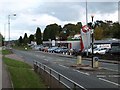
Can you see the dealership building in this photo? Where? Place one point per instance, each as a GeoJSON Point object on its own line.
{"type": "Point", "coordinates": [107, 43]}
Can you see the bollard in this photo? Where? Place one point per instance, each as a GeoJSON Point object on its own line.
{"type": "Point", "coordinates": [79, 60]}
{"type": "Point", "coordinates": [95, 62]}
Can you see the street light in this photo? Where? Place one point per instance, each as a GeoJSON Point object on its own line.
{"type": "Point", "coordinates": [9, 27]}
{"type": "Point", "coordinates": [92, 34]}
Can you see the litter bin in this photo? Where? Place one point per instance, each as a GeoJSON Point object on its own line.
{"type": "Point", "coordinates": [95, 62]}
{"type": "Point", "coordinates": [79, 60]}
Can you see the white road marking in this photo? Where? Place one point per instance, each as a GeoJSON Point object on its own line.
{"type": "Point", "coordinates": [109, 81]}
{"type": "Point", "coordinates": [115, 76]}
{"type": "Point", "coordinates": [81, 72]}
{"type": "Point", "coordinates": [45, 59]}
{"type": "Point", "coordinates": [111, 69]}
{"type": "Point", "coordinates": [63, 66]}
{"type": "Point", "coordinates": [101, 76]}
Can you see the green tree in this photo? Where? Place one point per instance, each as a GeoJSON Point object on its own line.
{"type": "Point", "coordinates": [78, 27]}
{"type": "Point", "coordinates": [51, 32]}
{"type": "Point", "coordinates": [1, 40]}
{"type": "Point", "coordinates": [116, 30]}
{"type": "Point", "coordinates": [38, 36]}
{"type": "Point", "coordinates": [31, 38]}
{"type": "Point", "coordinates": [70, 29]}
{"type": "Point", "coordinates": [20, 41]}
{"type": "Point", "coordinates": [25, 39]}
{"type": "Point", "coordinates": [98, 33]}
{"type": "Point", "coordinates": [46, 34]}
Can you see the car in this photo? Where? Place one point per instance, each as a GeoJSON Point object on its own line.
{"type": "Point", "coordinates": [99, 50]}
{"type": "Point", "coordinates": [114, 51]}
{"type": "Point", "coordinates": [51, 49]}
{"type": "Point", "coordinates": [58, 50]}
{"type": "Point", "coordinates": [65, 50]}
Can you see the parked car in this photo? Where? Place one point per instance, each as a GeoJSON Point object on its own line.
{"type": "Point", "coordinates": [65, 50]}
{"type": "Point", "coordinates": [75, 52]}
{"type": "Point", "coordinates": [58, 50]}
{"type": "Point", "coordinates": [114, 51]}
{"type": "Point", "coordinates": [99, 50]}
{"type": "Point", "coordinates": [51, 49]}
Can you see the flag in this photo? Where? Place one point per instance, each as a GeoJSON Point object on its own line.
{"type": "Point", "coordinates": [85, 37]}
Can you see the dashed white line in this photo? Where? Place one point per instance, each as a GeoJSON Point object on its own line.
{"type": "Point", "coordinates": [101, 76]}
{"type": "Point", "coordinates": [109, 81]}
{"type": "Point", "coordinates": [81, 72]}
{"type": "Point", "coordinates": [63, 66]}
{"type": "Point", "coordinates": [45, 59]}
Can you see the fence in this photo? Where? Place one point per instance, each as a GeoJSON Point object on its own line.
{"type": "Point", "coordinates": [54, 79]}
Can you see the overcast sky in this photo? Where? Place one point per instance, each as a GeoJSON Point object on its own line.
{"type": "Point", "coordinates": [31, 14]}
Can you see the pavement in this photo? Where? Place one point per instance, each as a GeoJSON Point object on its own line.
{"type": "Point", "coordinates": [0, 71]}
{"type": "Point", "coordinates": [5, 80]}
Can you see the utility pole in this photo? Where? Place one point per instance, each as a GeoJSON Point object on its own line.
{"type": "Point", "coordinates": [9, 31]}
{"type": "Point", "coordinates": [92, 32]}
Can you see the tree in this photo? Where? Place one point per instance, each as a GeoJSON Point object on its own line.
{"type": "Point", "coordinates": [25, 39]}
{"type": "Point", "coordinates": [38, 36]}
{"type": "Point", "coordinates": [116, 30]}
{"type": "Point", "coordinates": [78, 27]}
{"type": "Point", "coordinates": [20, 41]}
{"type": "Point", "coordinates": [46, 34]}
{"type": "Point", "coordinates": [51, 32]}
{"type": "Point", "coordinates": [98, 33]}
{"type": "Point", "coordinates": [1, 40]}
{"type": "Point", "coordinates": [31, 38]}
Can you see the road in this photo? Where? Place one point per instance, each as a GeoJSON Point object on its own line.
{"type": "Point", "coordinates": [87, 79]}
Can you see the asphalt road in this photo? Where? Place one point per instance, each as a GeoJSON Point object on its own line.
{"type": "Point", "coordinates": [87, 79]}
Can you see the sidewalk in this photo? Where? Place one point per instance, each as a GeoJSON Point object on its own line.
{"type": "Point", "coordinates": [0, 71]}
{"type": "Point", "coordinates": [6, 81]}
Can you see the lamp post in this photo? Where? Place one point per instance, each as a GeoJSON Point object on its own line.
{"type": "Point", "coordinates": [9, 28]}
{"type": "Point", "coordinates": [92, 35]}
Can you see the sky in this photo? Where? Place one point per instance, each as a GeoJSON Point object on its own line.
{"type": "Point", "coordinates": [31, 14]}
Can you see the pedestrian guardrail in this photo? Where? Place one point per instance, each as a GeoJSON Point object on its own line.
{"type": "Point", "coordinates": [54, 79]}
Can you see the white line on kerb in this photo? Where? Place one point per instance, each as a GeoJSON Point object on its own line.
{"type": "Point", "coordinates": [63, 66]}
{"type": "Point", "coordinates": [109, 81]}
{"type": "Point", "coordinates": [81, 72]}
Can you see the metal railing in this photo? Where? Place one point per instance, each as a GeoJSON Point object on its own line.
{"type": "Point", "coordinates": [54, 79]}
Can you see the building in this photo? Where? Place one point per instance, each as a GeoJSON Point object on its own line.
{"type": "Point", "coordinates": [108, 43]}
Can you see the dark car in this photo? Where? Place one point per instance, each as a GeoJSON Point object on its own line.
{"type": "Point", "coordinates": [65, 50]}
{"type": "Point", "coordinates": [114, 51]}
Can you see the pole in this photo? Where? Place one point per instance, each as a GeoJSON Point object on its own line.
{"type": "Point", "coordinates": [92, 40]}
{"type": "Point", "coordinates": [9, 31]}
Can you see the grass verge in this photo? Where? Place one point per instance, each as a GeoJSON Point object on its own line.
{"type": "Point", "coordinates": [22, 74]}
{"type": "Point", "coordinates": [5, 52]}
